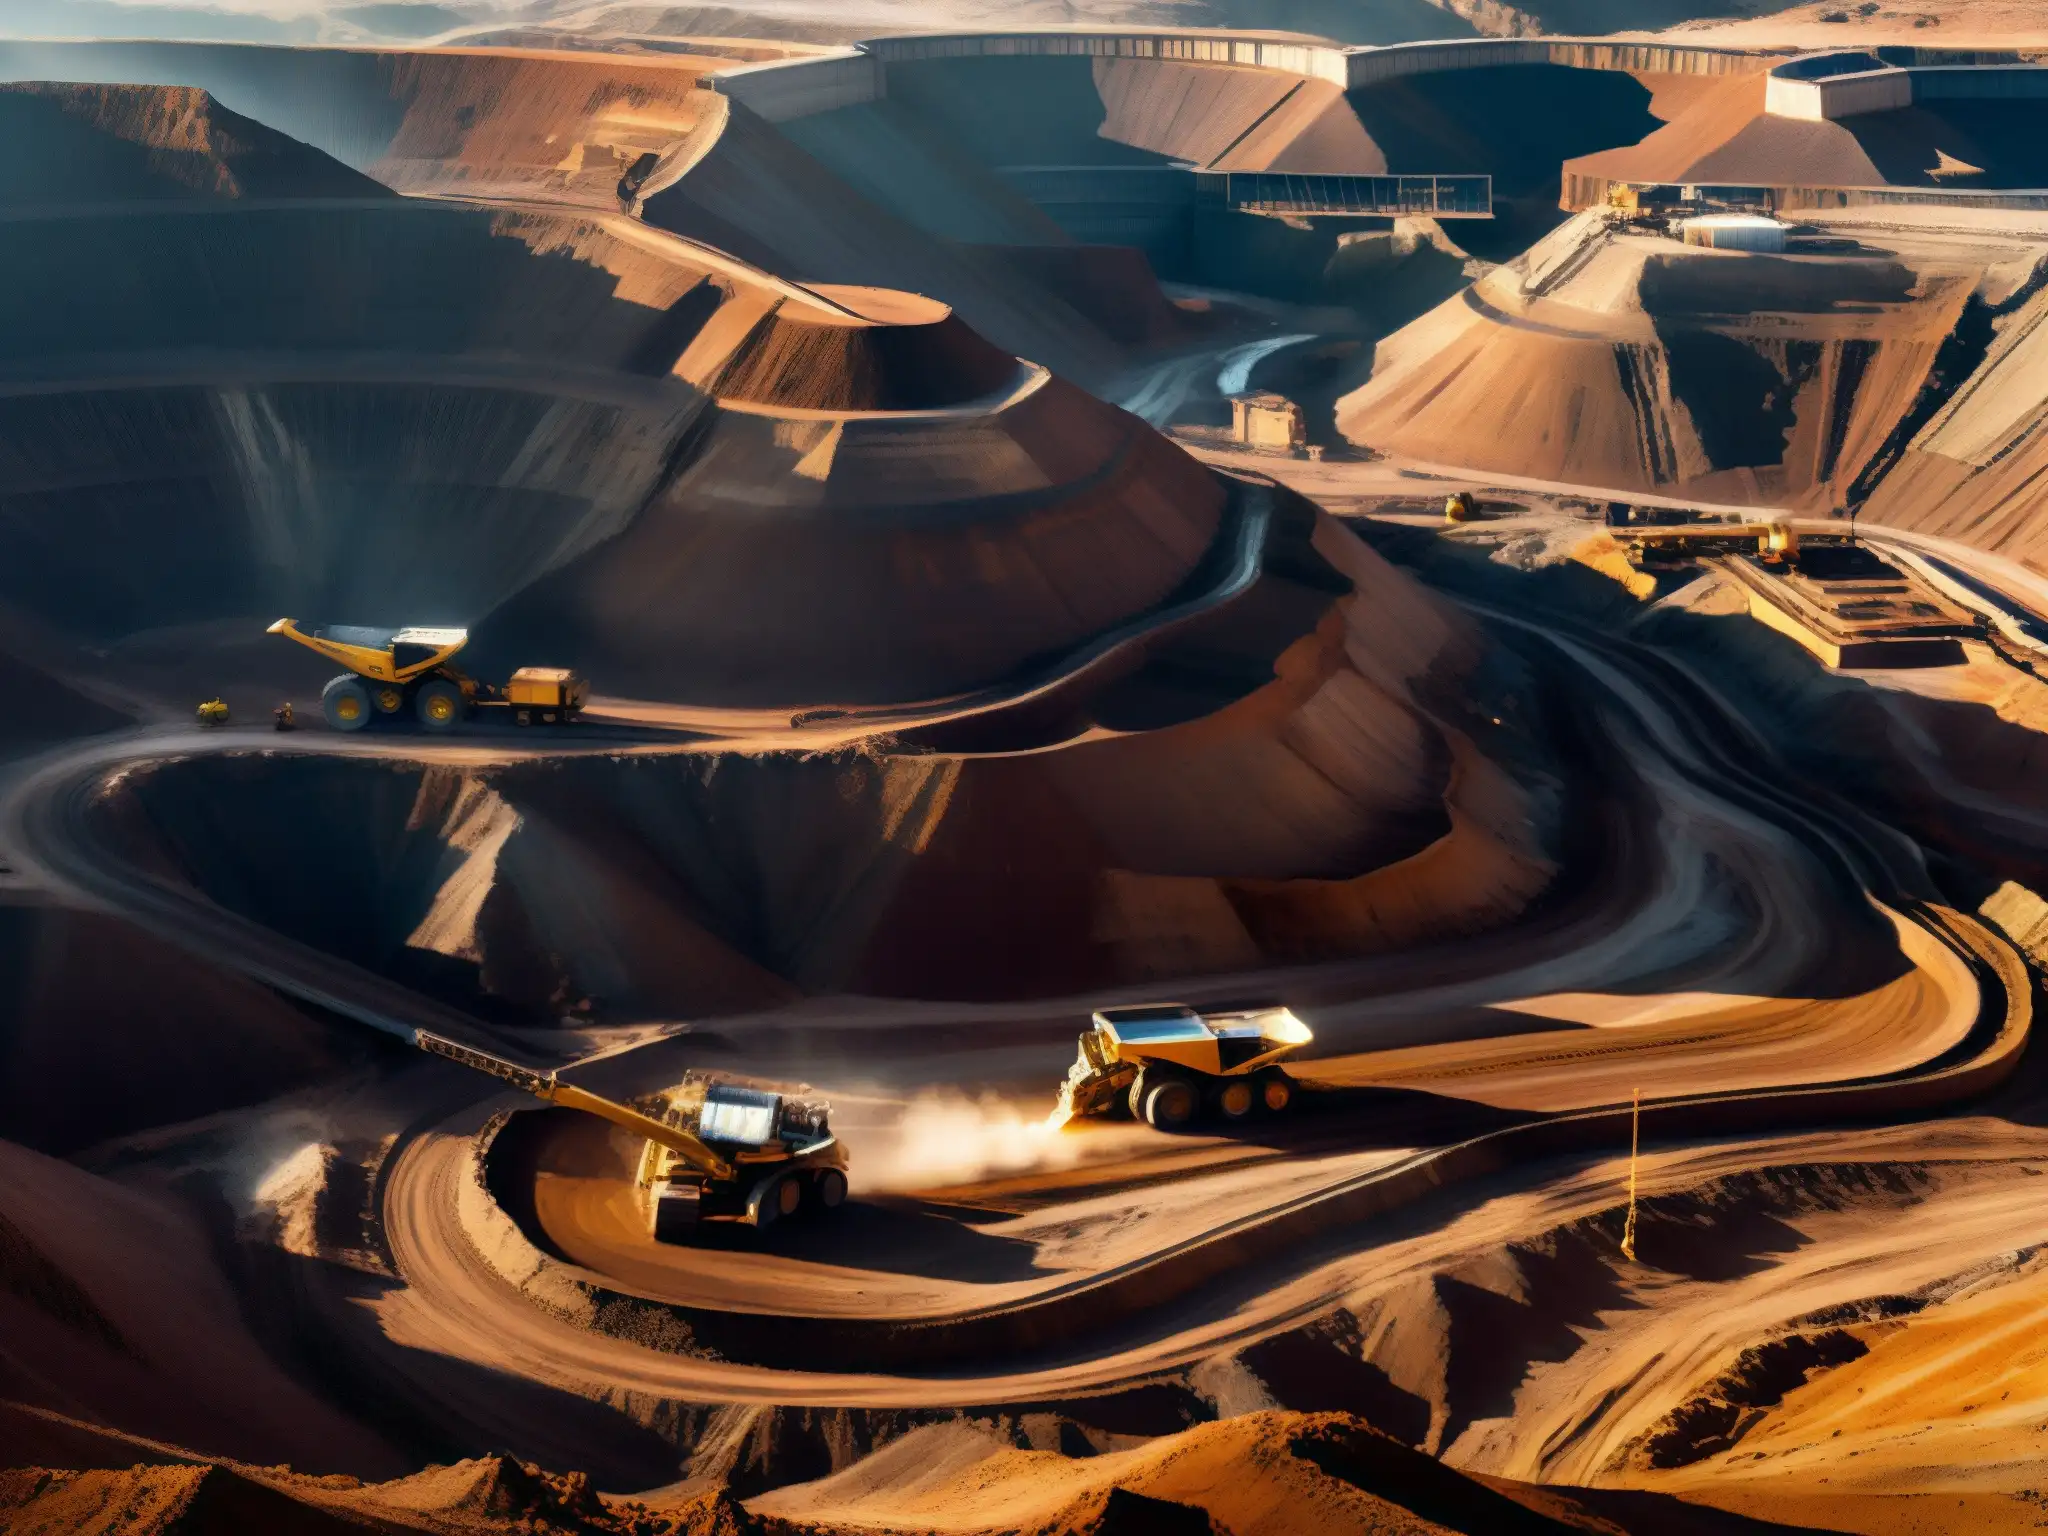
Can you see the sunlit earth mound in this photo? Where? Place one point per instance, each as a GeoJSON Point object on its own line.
{"type": "Point", "coordinates": [1256, 1475]}
{"type": "Point", "coordinates": [1634, 362]}
{"type": "Point", "coordinates": [810, 555]}
{"type": "Point", "coordinates": [1726, 137]}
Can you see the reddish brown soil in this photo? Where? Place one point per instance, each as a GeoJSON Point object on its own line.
{"type": "Point", "coordinates": [865, 350]}
{"type": "Point", "coordinates": [1259, 1475]}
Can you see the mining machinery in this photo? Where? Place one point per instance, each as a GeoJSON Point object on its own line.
{"type": "Point", "coordinates": [714, 1150]}
{"type": "Point", "coordinates": [395, 672]}
{"type": "Point", "coordinates": [1167, 1064]}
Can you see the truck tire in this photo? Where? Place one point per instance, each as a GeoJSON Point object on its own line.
{"type": "Point", "coordinates": [830, 1189]}
{"type": "Point", "coordinates": [1276, 1092]}
{"type": "Point", "coordinates": [1170, 1103]}
{"type": "Point", "coordinates": [439, 705]}
{"type": "Point", "coordinates": [774, 1199]}
{"type": "Point", "coordinates": [676, 1212]}
{"type": "Point", "coordinates": [1237, 1098]}
{"type": "Point", "coordinates": [388, 697]}
{"type": "Point", "coordinates": [346, 703]}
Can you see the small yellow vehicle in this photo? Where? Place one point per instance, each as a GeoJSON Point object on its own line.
{"type": "Point", "coordinates": [1166, 1064]}
{"type": "Point", "coordinates": [396, 672]}
{"type": "Point", "coordinates": [213, 712]}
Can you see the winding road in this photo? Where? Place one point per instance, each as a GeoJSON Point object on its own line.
{"type": "Point", "coordinates": [1131, 1256]}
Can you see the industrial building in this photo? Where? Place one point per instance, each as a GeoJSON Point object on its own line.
{"type": "Point", "coordinates": [1266, 420]}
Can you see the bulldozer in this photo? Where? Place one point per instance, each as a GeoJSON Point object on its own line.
{"type": "Point", "coordinates": [714, 1150]}
{"type": "Point", "coordinates": [1167, 1064]}
{"type": "Point", "coordinates": [394, 672]}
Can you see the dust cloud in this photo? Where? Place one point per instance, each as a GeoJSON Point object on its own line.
{"type": "Point", "coordinates": [945, 1137]}
{"type": "Point", "coordinates": [286, 1198]}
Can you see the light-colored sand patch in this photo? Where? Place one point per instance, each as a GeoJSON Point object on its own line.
{"type": "Point", "coordinates": [1609, 1010]}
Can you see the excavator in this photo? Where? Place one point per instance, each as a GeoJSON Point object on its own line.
{"type": "Point", "coordinates": [714, 1150]}
{"type": "Point", "coordinates": [393, 672]}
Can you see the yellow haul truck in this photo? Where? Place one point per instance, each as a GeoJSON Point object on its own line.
{"type": "Point", "coordinates": [1165, 1063]}
{"type": "Point", "coordinates": [393, 672]}
{"type": "Point", "coordinates": [715, 1151]}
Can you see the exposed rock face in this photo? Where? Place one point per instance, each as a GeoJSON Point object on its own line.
{"type": "Point", "coordinates": [1630, 363]}
{"type": "Point", "coordinates": [113, 143]}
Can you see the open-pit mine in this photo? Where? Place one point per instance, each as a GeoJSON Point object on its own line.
{"type": "Point", "coordinates": [1131, 768]}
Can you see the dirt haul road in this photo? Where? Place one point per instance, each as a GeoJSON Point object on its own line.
{"type": "Point", "coordinates": [1704, 991]}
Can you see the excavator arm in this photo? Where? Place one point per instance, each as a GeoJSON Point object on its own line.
{"type": "Point", "coordinates": [546, 1086]}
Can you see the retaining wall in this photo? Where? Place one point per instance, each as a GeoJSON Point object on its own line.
{"type": "Point", "coordinates": [784, 89]}
{"type": "Point", "coordinates": [1803, 88]}
{"type": "Point", "coordinates": [1289, 55]}
{"type": "Point", "coordinates": [1819, 101]}
{"type": "Point", "coordinates": [1375, 66]}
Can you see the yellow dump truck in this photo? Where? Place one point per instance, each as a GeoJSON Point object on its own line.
{"type": "Point", "coordinates": [1166, 1064]}
{"type": "Point", "coordinates": [396, 672]}
{"type": "Point", "coordinates": [713, 1150]}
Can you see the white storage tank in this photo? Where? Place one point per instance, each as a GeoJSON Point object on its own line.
{"type": "Point", "coordinates": [1735, 232]}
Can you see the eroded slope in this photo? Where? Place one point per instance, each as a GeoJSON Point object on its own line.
{"type": "Point", "coordinates": [1632, 362]}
